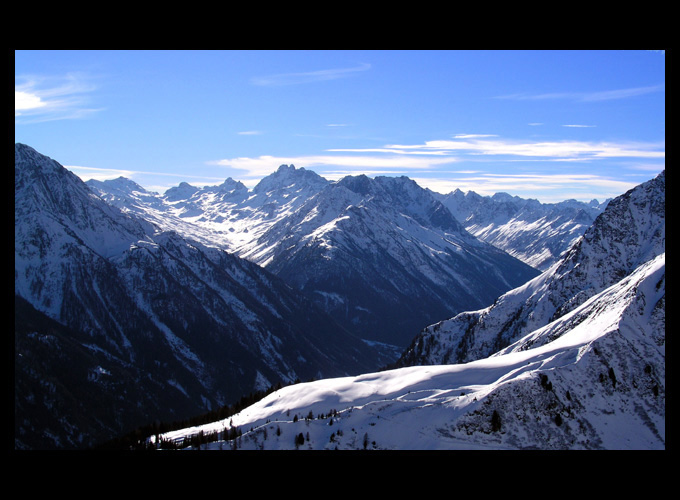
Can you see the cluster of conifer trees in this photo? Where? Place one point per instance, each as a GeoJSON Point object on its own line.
{"type": "Point", "coordinates": [139, 438]}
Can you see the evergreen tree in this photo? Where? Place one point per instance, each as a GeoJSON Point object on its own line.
{"type": "Point", "coordinates": [495, 422]}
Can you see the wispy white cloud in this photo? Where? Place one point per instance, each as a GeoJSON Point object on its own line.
{"type": "Point", "coordinates": [473, 136]}
{"type": "Point", "coordinates": [250, 132]}
{"type": "Point", "coordinates": [605, 95]}
{"type": "Point", "coordinates": [393, 150]}
{"type": "Point", "coordinates": [558, 150]}
{"type": "Point", "coordinates": [38, 99]}
{"type": "Point", "coordinates": [308, 77]}
{"type": "Point", "coordinates": [99, 174]}
{"type": "Point", "coordinates": [24, 101]}
{"type": "Point", "coordinates": [580, 126]}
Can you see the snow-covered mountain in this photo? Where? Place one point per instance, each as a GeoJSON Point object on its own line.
{"type": "Point", "coordinates": [534, 232]}
{"type": "Point", "coordinates": [228, 215]}
{"type": "Point", "coordinates": [381, 255]}
{"type": "Point", "coordinates": [196, 326]}
{"type": "Point", "coordinates": [585, 373]}
{"type": "Point", "coordinates": [630, 232]}
{"type": "Point", "coordinates": [600, 384]}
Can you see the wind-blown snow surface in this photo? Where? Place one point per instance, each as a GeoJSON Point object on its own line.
{"type": "Point", "coordinates": [597, 386]}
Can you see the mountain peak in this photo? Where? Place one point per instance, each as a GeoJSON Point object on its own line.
{"type": "Point", "coordinates": [286, 176]}
{"type": "Point", "coordinates": [182, 191]}
{"type": "Point", "coordinates": [360, 184]}
{"type": "Point", "coordinates": [121, 184]}
{"type": "Point", "coordinates": [27, 159]}
{"type": "Point", "coordinates": [230, 184]}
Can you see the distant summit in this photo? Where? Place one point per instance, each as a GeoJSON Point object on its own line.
{"type": "Point", "coordinates": [534, 232]}
{"type": "Point", "coordinates": [305, 181]}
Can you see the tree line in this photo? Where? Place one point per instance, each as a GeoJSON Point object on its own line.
{"type": "Point", "coordinates": [138, 439]}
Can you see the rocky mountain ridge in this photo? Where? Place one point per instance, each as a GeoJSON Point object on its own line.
{"type": "Point", "coordinates": [382, 255]}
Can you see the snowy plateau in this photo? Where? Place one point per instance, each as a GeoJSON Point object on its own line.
{"type": "Point", "coordinates": [133, 307]}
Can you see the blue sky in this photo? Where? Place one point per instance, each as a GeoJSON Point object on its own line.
{"type": "Point", "coordinates": [549, 125]}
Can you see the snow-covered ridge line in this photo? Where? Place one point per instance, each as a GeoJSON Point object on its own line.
{"type": "Point", "coordinates": [534, 232]}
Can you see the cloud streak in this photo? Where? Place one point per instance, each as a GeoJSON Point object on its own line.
{"type": "Point", "coordinates": [39, 99]}
{"type": "Point", "coordinates": [482, 145]}
{"type": "Point", "coordinates": [283, 79]}
{"type": "Point", "coordinates": [332, 166]}
{"type": "Point", "coordinates": [606, 95]}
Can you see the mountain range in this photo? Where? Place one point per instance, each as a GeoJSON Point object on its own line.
{"type": "Point", "coordinates": [629, 233]}
{"type": "Point", "coordinates": [534, 232]}
{"type": "Point", "coordinates": [133, 307]}
{"type": "Point", "coordinates": [150, 304]}
{"type": "Point", "coordinates": [381, 255]}
{"type": "Point", "coordinates": [574, 359]}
